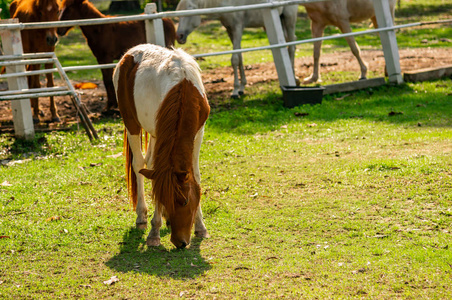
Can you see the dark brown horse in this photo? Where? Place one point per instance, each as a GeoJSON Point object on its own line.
{"type": "Point", "coordinates": [161, 92]}
{"type": "Point", "coordinates": [38, 40]}
{"type": "Point", "coordinates": [109, 41]}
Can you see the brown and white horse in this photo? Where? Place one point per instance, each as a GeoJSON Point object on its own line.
{"type": "Point", "coordinates": [340, 13]}
{"type": "Point", "coordinates": [109, 42]}
{"type": "Point", "coordinates": [160, 91]}
{"type": "Point", "coordinates": [38, 40]}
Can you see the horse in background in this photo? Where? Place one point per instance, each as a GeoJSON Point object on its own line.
{"type": "Point", "coordinates": [108, 42]}
{"type": "Point", "coordinates": [235, 23]}
{"type": "Point", "coordinates": [161, 92]}
{"type": "Point", "coordinates": [340, 13]}
{"type": "Point", "coordinates": [38, 40]}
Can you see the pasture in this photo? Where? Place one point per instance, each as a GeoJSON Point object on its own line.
{"type": "Point", "coordinates": [348, 199]}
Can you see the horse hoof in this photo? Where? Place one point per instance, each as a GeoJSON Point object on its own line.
{"type": "Point", "coordinates": [142, 226]}
{"type": "Point", "coordinates": [153, 242]}
{"type": "Point", "coordinates": [202, 234]}
{"type": "Point", "coordinates": [363, 78]}
{"type": "Point", "coordinates": [309, 80]}
{"type": "Point", "coordinates": [235, 97]}
{"type": "Point", "coordinates": [56, 120]}
{"type": "Point", "coordinates": [241, 93]}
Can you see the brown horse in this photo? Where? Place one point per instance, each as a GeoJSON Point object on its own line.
{"type": "Point", "coordinates": [161, 92]}
{"type": "Point", "coordinates": [38, 40]}
{"type": "Point", "coordinates": [109, 41]}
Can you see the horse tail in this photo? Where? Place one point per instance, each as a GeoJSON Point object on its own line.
{"type": "Point", "coordinates": [177, 122]}
{"type": "Point", "coordinates": [131, 177]}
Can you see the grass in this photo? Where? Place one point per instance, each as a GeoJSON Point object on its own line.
{"type": "Point", "coordinates": [347, 201]}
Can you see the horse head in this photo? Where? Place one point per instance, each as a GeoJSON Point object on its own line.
{"type": "Point", "coordinates": [70, 10]}
{"type": "Point", "coordinates": [38, 11]}
{"type": "Point", "coordinates": [180, 197]}
{"type": "Point", "coordinates": [47, 11]}
{"type": "Point", "coordinates": [187, 24]}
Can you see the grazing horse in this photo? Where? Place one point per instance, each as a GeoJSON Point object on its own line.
{"type": "Point", "coordinates": [38, 40]}
{"type": "Point", "coordinates": [235, 23]}
{"type": "Point", "coordinates": [160, 91]}
{"type": "Point", "coordinates": [109, 42]}
{"type": "Point", "coordinates": [340, 13]}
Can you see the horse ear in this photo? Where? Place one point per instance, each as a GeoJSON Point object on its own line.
{"type": "Point", "coordinates": [147, 173]}
{"type": "Point", "coordinates": [182, 176]}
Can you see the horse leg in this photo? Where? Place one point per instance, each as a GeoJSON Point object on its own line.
{"type": "Point", "coordinates": [374, 22]}
{"type": "Point", "coordinates": [235, 35]}
{"type": "Point", "coordinates": [345, 28]}
{"type": "Point", "coordinates": [50, 83]}
{"type": "Point", "coordinates": [200, 228]}
{"type": "Point", "coordinates": [138, 164]}
{"type": "Point", "coordinates": [33, 83]}
{"type": "Point", "coordinates": [148, 158]}
{"type": "Point", "coordinates": [153, 238]}
{"type": "Point", "coordinates": [288, 22]}
{"type": "Point", "coordinates": [107, 75]}
{"type": "Point", "coordinates": [317, 31]}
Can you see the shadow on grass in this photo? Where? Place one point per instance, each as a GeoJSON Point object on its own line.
{"type": "Point", "coordinates": [135, 256]}
{"type": "Point", "coordinates": [419, 9]}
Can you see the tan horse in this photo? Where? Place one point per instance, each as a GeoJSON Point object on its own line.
{"type": "Point", "coordinates": [339, 13]}
{"type": "Point", "coordinates": [160, 91]}
{"type": "Point", "coordinates": [109, 42]}
{"type": "Point", "coordinates": [38, 40]}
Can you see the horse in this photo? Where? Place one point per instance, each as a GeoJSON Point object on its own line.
{"type": "Point", "coordinates": [235, 23]}
{"type": "Point", "coordinates": [160, 92]}
{"type": "Point", "coordinates": [38, 40]}
{"type": "Point", "coordinates": [339, 13]}
{"type": "Point", "coordinates": [108, 42]}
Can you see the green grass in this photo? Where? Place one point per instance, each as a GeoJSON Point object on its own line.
{"type": "Point", "coordinates": [344, 202]}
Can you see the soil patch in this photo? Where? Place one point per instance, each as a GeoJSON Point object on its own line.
{"type": "Point", "coordinates": [218, 82]}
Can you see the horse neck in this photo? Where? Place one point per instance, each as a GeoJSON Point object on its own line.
{"type": "Point", "coordinates": [89, 11]}
{"type": "Point", "coordinates": [178, 121]}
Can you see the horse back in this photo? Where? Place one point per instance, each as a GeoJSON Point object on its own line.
{"type": "Point", "coordinates": [156, 71]}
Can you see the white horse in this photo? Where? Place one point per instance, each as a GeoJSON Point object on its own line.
{"type": "Point", "coordinates": [234, 24]}
{"type": "Point", "coordinates": [340, 13]}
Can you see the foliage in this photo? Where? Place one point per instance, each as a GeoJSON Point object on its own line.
{"type": "Point", "coordinates": [4, 7]}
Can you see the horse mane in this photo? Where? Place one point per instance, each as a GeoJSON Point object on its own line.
{"type": "Point", "coordinates": [180, 116]}
{"type": "Point", "coordinates": [29, 7]}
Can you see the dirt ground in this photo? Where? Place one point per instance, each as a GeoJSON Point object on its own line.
{"type": "Point", "coordinates": [218, 82]}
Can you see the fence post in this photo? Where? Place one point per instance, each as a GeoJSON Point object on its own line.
{"type": "Point", "coordinates": [154, 28]}
{"type": "Point", "coordinates": [281, 57]}
{"type": "Point", "coordinates": [388, 41]}
{"type": "Point", "coordinates": [21, 109]}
